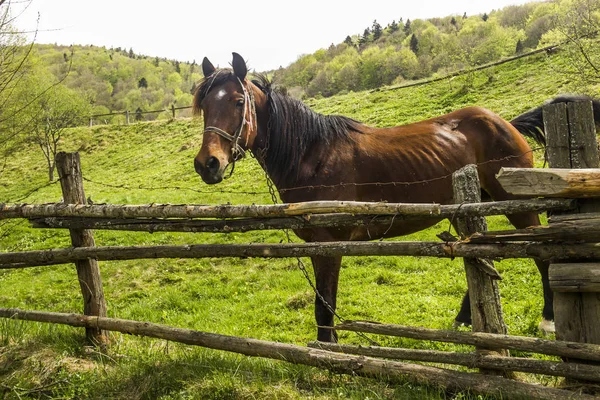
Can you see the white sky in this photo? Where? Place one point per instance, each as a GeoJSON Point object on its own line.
{"type": "Point", "coordinates": [267, 33]}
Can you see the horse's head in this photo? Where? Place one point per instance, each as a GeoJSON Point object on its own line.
{"type": "Point", "coordinates": [226, 100]}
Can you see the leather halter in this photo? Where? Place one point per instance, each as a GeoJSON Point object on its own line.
{"type": "Point", "coordinates": [237, 151]}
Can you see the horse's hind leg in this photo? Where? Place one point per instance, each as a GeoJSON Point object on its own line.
{"type": "Point", "coordinates": [327, 271]}
{"type": "Point", "coordinates": [521, 221]}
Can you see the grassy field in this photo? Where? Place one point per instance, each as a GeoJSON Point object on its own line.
{"type": "Point", "coordinates": [258, 298]}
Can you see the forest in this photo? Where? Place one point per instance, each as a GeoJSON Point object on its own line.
{"type": "Point", "coordinates": [406, 50]}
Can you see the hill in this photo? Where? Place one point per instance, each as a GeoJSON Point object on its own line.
{"type": "Point", "coordinates": [116, 80]}
{"type": "Point", "coordinates": [409, 50]}
{"type": "Point", "coordinates": [150, 162]}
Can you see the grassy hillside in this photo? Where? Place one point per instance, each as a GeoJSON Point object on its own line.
{"type": "Point", "coordinates": [264, 299]}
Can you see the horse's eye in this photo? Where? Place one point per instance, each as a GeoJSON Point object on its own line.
{"type": "Point", "coordinates": [239, 104]}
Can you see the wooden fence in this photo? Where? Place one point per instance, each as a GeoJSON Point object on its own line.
{"type": "Point", "coordinates": [138, 114]}
{"type": "Point", "coordinates": [568, 240]}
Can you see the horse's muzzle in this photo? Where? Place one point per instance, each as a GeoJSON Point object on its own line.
{"type": "Point", "coordinates": [210, 173]}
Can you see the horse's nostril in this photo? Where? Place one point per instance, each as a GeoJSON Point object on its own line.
{"type": "Point", "coordinates": [212, 164]}
{"type": "Point", "coordinates": [197, 166]}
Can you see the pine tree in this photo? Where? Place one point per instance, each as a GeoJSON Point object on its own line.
{"type": "Point", "coordinates": [143, 83]}
{"type": "Point", "coordinates": [519, 48]}
{"type": "Point", "coordinates": [377, 31]}
{"type": "Point", "coordinates": [348, 41]}
{"type": "Point", "coordinates": [485, 17]}
{"type": "Point", "coordinates": [364, 39]}
{"type": "Point", "coordinates": [393, 27]}
{"type": "Point", "coordinates": [414, 44]}
{"type": "Point", "coordinates": [407, 26]}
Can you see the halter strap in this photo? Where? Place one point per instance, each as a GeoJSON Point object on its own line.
{"type": "Point", "coordinates": [237, 151]}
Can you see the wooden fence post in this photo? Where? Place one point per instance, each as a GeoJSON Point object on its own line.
{"type": "Point", "coordinates": [486, 309]}
{"type": "Point", "coordinates": [127, 117]}
{"type": "Point", "coordinates": [88, 272]}
{"type": "Point", "coordinates": [571, 137]}
{"type": "Point", "coordinates": [173, 110]}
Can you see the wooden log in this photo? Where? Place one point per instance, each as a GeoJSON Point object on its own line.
{"type": "Point", "coordinates": [218, 225]}
{"type": "Point", "coordinates": [575, 277]}
{"type": "Point", "coordinates": [486, 309]}
{"type": "Point", "coordinates": [556, 127]}
{"type": "Point", "coordinates": [558, 348]}
{"type": "Point", "coordinates": [470, 360]}
{"type": "Point", "coordinates": [276, 250]}
{"type": "Point", "coordinates": [88, 272]}
{"type": "Point", "coordinates": [551, 182]}
{"type": "Point", "coordinates": [393, 371]}
{"type": "Point", "coordinates": [585, 228]}
{"type": "Point", "coordinates": [577, 314]}
{"type": "Point", "coordinates": [582, 138]}
{"type": "Point", "coordinates": [278, 210]}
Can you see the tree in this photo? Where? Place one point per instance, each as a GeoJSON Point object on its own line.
{"type": "Point", "coordinates": [407, 27]}
{"type": "Point", "coordinates": [453, 22]}
{"type": "Point", "coordinates": [138, 114]}
{"type": "Point", "coordinates": [577, 23]}
{"type": "Point", "coordinates": [348, 41]}
{"type": "Point", "coordinates": [377, 30]}
{"type": "Point", "coordinates": [14, 66]}
{"type": "Point", "coordinates": [143, 83]}
{"type": "Point", "coordinates": [393, 27]}
{"type": "Point", "coordinates": [365, 38]}
{"type": "Point", "coordinates": [47, 113]}
{"type": "Point", "coordinates": [485, 17]}
{"type": "Point", "coordinates": [414, 44]}
{"type": "Point", "coordinates": [519, 47]}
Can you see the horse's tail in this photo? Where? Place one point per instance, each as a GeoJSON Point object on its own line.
{"type": "Point", "coordinates": [531, 123]}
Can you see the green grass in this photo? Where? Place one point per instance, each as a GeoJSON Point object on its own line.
{"type": "Point", "coordinates": [258, 298]}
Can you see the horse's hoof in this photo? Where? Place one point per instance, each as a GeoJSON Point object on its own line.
{"type": "Point", "coordinates": [547, 327]}
{"type": "Point", "coordinates": [457, 324]}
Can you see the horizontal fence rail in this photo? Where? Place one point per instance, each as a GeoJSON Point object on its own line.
{"type": "Point", "coordinates": [277, 250]}
{"type": "Point", "coordinates": [470, 360]}
{"type": "Point", "coordinates": [342, 363]}
{"type": "Point", "coordinates": [418, 210]}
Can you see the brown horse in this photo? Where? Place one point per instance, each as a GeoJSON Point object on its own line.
{"type": "Point", "coordinates": [310, 156]}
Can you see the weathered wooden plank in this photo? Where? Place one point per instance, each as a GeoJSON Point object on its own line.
{"type": "Point", "coordinates": [471, 360]}
{"type": "Point", "coordinates": [575, 277]}
{"type": "Point", "coordinates": [123, 211]}
{"type": "Point", "coordinates": [584, 228]}
{"type": "Point", "coordinates": [275, 250]}
{"type": "Point", "coordinates": [585, 351]}
{"type": "Point", "coordinates": [88, 272]}
{"type": "Point", "coordinates": [393, 371]}
{"type": "Point", "coordinates": [556, 127]}
{"type": "Point", "coordinates": [582, 139]}
{"type": "Point", "coordinates": [577, 314]}
{"type": "Point", "coordinates": [486, 309]}
{"type": "Point", "coordinates": [551, 182]}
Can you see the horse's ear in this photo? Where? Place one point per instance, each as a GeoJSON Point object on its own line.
{"type": "Point", "coordinates": [207, 67]}
{"type": "Point", "coordinates": [239, 66]}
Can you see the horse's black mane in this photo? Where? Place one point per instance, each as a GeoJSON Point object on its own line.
{"type": "Point", "coordinates": [293, 127]}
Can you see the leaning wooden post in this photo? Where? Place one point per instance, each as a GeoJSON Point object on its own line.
{"type": "Point", "coordinates": [486, 309]}
{"type": "Point", "coordinates": [69, 170]}
{"type": "Point", "coordinates": [571, 137]}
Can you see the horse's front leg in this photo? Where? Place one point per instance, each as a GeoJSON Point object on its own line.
{"type": "Point", "coordinates": [327, 272]}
